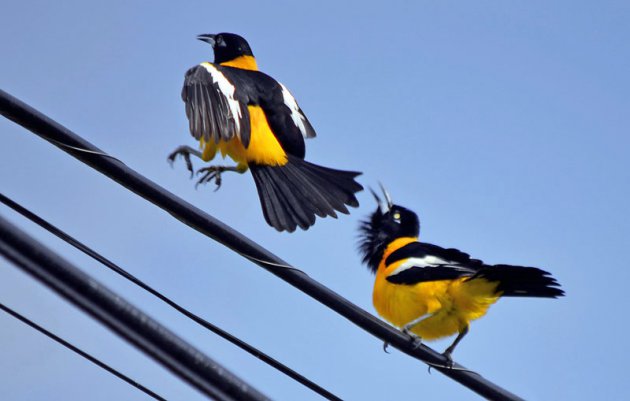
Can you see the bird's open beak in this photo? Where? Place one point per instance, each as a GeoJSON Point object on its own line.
{"type": "Point", "coordinates": [376, 197]}
{"type": "Point", "coordinates": [208, 38]}
{"type": "Point", "coordinates": [383, 206]}
{"type": "Point", "coordinates": [388, 198]}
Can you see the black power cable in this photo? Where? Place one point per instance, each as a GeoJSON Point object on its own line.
{"type": "Point", "coordinates": [155, 340]}
{"type": "Point", "coordinates": [84, 354]}
{"type": "Point", "coordinates": [69, 142]}
{"type": "Point", "coordinates": [215, 329]}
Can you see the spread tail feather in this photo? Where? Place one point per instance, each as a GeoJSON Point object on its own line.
{"type": "Point", "coordinates": [518, 281]}
{"type": "Point", "coordinates": [293, 194]}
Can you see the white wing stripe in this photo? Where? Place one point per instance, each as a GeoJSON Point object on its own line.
{"type": "Point", "coordinates": [427, 261]}
{"type": "Point", "coordinates": [227, 89]}
{"type": "Point", "coordinates": [296, 116]}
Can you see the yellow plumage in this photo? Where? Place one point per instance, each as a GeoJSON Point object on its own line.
{"type": "Point", "coordinates": [449, 305]}
{"type": "Point", "coordinates": [242, 62]}
{"type": "Point", "coordinates": [263, 147]}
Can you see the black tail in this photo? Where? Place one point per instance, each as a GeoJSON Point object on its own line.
{"type": "Point", "coordinates": [518, 281]}
{"type": "Point", "coordinates": [291, 195]}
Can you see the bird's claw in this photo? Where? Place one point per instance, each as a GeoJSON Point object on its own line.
{"type": "Point", "coordinates": [209, 174]}
{"type": "Point", "coordinates": [448, 365]}
{"type": "Point", "coordinates": [385, 346]}
{"type": "Point", "coordinates": [416, 340]}
{"type": "Point", "coordinates": [449, 360]}
{"type": "Point", "coordinates": [185, 154]}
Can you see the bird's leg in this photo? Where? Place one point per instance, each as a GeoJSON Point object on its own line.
{"type": "Point", "coordinates": [449, 351]}
{"type": "Point", "coordinates": [185, 152]}
{"type": "Point", "coordinates": [214, 173]}
{"type": "Point", "coordinates": [417, 341]}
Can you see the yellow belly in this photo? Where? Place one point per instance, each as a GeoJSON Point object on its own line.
{"type": "Point", "coordinates": [263, 147]}
{"type": "Point", "coordinates": [400, 304]}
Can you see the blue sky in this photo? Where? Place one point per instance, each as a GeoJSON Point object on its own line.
{"type": "Point", "coordinates": [503, 124]}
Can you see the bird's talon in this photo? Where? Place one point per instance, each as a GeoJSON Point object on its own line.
{"type": "Point", "coordinates": [416, 341]}
{"type": "Point", "coordinates": [214, 173]}
{"type": "Point", "coordinates": [385, 346]}
{"type": "Point", "coordinates": [209, 174]}
{"type": "Point", "coordinates": [184, 152]}
{"type": "Point", "coordinates": [189, 165]}
{"type": "Point", "coordinates": [171, 159]}
{"type": "Point", "coordinates": [449, 360]}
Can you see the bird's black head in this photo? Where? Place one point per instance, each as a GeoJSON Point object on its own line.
{"type": "Point", "coordinates": [386, 224]}
{"type": "Point", "coordinates": [227, 46]}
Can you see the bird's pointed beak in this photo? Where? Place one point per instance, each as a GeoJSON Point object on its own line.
{"type": "Point", "coordinates": [378, 200]}
{"type": "Point", "coordinates": [382, 207]}
{"type": "Point", "coordinates": [208, 38]}
{"type": "Point", "coordinates": [388, 198]}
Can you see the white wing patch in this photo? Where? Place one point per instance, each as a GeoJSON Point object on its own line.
{"type": "Point", "coordinates": [227, 89]}
{"type": "Point", "coordinates": [296, 115]}
{"type": "Point", "coordinates": [427, 261]}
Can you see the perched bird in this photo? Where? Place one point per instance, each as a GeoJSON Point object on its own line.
{"type": "Point", "coordinates": [432, 292]}
{"type": "Point", "coordinates": [234, 109]}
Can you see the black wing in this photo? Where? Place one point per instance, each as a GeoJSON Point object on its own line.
{"type": "Point", "coordinates": [297, 116]}
{"type": "Point", "coordinates": [212, 106]}
{"type": "Point", "coordinates": [286, 120]}
{"type": "Point", "coordinates": [426, 262]}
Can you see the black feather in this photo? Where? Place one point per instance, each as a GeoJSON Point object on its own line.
{"type": "Point", "coordinates": [208, 110]}
{"type": "Point", "coordinates": [520, 281]}
{"type": "Point", "coordinates": [293, 194]}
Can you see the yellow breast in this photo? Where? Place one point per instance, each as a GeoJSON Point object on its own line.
{"type": "Point", "coordinates": [263, 147]}
{"type": "Point", "coordinates": [400, 304]}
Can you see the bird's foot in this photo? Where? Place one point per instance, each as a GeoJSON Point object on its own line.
{"type": "Point", "coordinates": [184, 152]}
{"type": "Point", "coordinates": [449, 359]}
{"type": "Point", "coordinates": [416, 340]}
{"type": "Point", "coordinates": [385, 346]}
{"type": "Point", "coordinates": [448, 365]}
{"type": "Point", "coordinates": [213, 173]}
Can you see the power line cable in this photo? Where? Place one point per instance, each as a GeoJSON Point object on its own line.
{"type": "Point", "coordinates": [213, 328]}
{"type": "Point", "coordinates": [124, 319]}
{"type": "Point", "coordinates": [192, 216]}
{"type": "Point", "coordinates": [84, 354]}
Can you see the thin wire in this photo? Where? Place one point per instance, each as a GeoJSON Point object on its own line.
{"type": "Point", "coordinates": [84, 354]}
{"type": "Point", "coordinates": [117, 269]}
{"type": "Point", "coordinates": [121, 317]}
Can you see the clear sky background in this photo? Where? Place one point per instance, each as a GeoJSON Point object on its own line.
{"type": "Point", "coordinates": [505, 125]}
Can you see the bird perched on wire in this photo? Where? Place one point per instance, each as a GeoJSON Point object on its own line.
{"type": "Point", "coordinates": [238, 111]}
{"type": "Point", "coordinates": [432, 292]}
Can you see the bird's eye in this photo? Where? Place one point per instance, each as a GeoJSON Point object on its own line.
{"type": "Point", "coordinates": [397, 217]}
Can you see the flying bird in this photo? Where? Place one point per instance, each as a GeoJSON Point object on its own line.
{"type": "Point", "coordinates": [431, 292]}
{"type": "Point", "coordinates": [237, 111]}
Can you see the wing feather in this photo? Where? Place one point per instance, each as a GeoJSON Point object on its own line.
{"type": "Point", "coordinates": [214, 112]}
{"type": "Point", "coordinates": [297, 116]}
{"type": "Point", "coordinates": [423, 262]}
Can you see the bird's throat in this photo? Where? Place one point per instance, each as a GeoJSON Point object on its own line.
{"type": "Point", "coordinates": [242, 62]}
